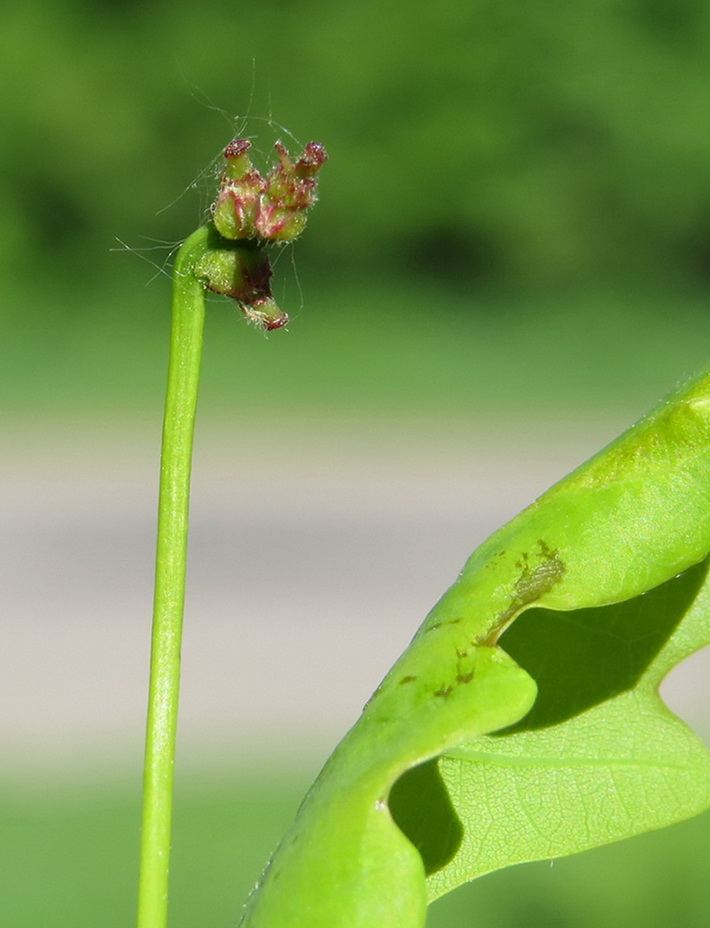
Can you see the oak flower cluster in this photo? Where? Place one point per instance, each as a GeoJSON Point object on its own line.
{"type": "Point", "coordinates": [271, 208]}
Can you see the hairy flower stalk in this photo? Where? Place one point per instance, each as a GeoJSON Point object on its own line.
{"type": "Point", "coordinates": [227, 255]}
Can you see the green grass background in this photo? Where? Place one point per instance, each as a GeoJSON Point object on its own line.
{"type": "Point", "coordinates": [515, 223]}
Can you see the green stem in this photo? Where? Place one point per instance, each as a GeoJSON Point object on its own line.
{"type": "Point", "coordinates": [178, 428]}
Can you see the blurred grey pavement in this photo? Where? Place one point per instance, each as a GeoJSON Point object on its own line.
{"type": "Point", "coordinates": [316, 550]}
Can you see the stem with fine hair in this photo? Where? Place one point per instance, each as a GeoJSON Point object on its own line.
{"type": "Point", "coordinates": [227, 255]}
{"type": "Point", "coordinates": [178, 427]}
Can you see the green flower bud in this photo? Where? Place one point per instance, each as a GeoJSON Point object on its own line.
{"type": "Point", "coordinates": [266, 314]}
{"type": "Point", "coordinates": [242, 271]}
{"type": "Point", "coordinates": [241, 188]}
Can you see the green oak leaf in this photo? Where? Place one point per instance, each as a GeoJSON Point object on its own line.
{"type": "Point", "coordinates": [497, 739]}
{"type": "Point", "coordinates": [598, 758]}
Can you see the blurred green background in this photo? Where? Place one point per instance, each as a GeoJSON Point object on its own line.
{"type": "Point", "coordinates": [514, 227]}
{"type": "Point", "coordinates": [517, 202]}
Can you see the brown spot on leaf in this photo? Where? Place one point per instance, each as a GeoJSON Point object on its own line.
{"type": "Point", "coordinates": [436, 625]}
{"type": "Point", "coordinates": [531, 585]}
{"type": "Point", "coordinates": [444, 692]}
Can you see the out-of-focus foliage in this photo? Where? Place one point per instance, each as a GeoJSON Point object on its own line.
{"type": "Point", "coordinates": [532, 145]}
